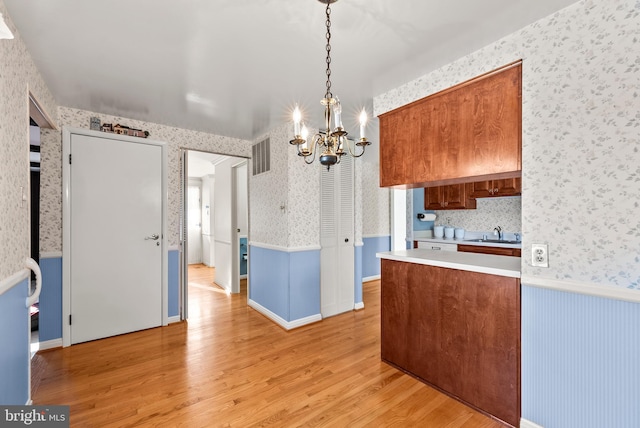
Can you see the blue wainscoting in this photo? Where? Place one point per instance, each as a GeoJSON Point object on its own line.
{"type": "Point", "coordinates": [357, 277]}
{"type": "Point", "coordinates": [580, 365]}
{"type": "Point", "coordinates": [370, 263]}
{"type": "Point", "coordinates": [14, 352]}
{"type": "Point", "coordinates": [304, 284]}
{"type": "Point", "coordinates": [285, 283]}
{"type": "Point", "coordinates": [173, 283]}
{"type": "Point", "coordinates": [50, 317]}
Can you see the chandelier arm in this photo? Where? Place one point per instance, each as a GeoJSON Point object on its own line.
{"type": "Point", "coordinates": [351, 152]}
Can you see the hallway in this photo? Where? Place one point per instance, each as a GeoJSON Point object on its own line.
{"type": "Point", "coordinates": [230, 366]}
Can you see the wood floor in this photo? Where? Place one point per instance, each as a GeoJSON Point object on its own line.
{"type": "Point", "coordinates": [229, 366]}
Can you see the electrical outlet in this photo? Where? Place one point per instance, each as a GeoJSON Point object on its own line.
{"type": "Point", "coordinates": [540, 255]}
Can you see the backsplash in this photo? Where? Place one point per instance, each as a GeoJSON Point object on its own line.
{"type": "Point", "coordinates": [490, 212]}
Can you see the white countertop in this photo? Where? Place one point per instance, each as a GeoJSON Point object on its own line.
{"type": "Point", "coordinates": [481, 263]}
{"type": "Point", "coordinates": [463, 242]}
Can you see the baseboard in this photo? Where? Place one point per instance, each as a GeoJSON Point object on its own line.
{"type": "Point", "coordinates": [287, 325]}
{"type": "Point", "coordinates": [358, 306]}
{"type": "Point", "coordinates": [528, 424]}
{"type": "Point", "coordinates": [371, 278]}
{"type": "Point", "coordinates": [50, 344]}
{"type": "Point", "coordinates": [173, 319]}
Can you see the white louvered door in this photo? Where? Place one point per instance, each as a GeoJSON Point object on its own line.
{"type": "Point", "coordinates": [337, 239]}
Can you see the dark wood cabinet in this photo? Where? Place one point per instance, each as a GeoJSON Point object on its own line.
{"type": "Point", "coordinates": [498, 251]}
{"type": "Point", "coordinates": [493, 188]}
{"type": "Point", "coordinates": [470, 132]}
{"type": "Point", "coordinates": [451, 197]}
{"type": "Point", "coordinates": [456, 330]}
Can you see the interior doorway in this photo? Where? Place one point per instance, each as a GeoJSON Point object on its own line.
{"type": "Point", "coordinates": [214, 234]}
{"type": "Point", "coordinates": [34, 191]}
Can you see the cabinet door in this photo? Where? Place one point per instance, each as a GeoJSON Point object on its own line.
{"type": "Point", "coordinates": [491, 188]}
{"type": "Point", "coordinates": [433, 198]}
{"type": "Point", "coordinates": [451, 197]}
{"type": "Point", "coordinates": [507, 187]}
{"type": "Point", "coordinates": [400, 137]}
{"type": "Point", "coordinates": [498, 251]}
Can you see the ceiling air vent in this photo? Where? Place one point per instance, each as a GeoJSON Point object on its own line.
{"type": "Point", "coordinates": [261, 156]}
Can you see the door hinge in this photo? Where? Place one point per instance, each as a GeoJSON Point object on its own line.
{"type": "Point", "coordinates": [69, 319]}
{"type": "Point", "coordinates": [69, 158]}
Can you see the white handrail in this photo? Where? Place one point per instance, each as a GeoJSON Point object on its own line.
{"type": "Point", "coordinates": [31, 264]}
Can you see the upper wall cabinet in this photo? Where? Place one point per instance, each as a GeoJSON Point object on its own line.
{"type": "Point", "coordinates": [470, 132]}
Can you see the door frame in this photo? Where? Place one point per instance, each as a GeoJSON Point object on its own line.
{"type": "Point", "coordinates": [235, 241]}
{"type": "Point", "coordinates": [66, 222]}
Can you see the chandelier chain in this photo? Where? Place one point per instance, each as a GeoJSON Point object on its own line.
{"type": "Point", "coordinates": [328, 95]}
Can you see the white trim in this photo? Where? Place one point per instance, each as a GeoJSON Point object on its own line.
{"type": "Point", "coordinates": [284, 249]}
{"type": "Point", "coordinates": [173, 248]}
{"type": "Point", "coordinates": [588, 288]}
{"type": "Point", "coordinates": [287, 325]}
{"type": "Point", "coordinates": [387, 235]}
{"type": "Point", "coordinates": [173, 319]}
{"type": "Point", "coordinates": [528, 424]}
{"type": "Point", "coordinates": [371, 278]}
{"type": "Point", "coordinates": [359, 244]}
{"type": "Point", "coordinates": [358, 306]}
{"type": "Point", "coordinates": [244, 276]}
{"type": "Point", "coordinates": [51, 254]}
{"type": "Point", "coordinates": [11, 281]}
{"type": "Point", "coordinates": [50, 344]}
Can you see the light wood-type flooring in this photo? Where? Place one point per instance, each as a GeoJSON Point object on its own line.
{"type": "Point", "coordinates": [229, 366]}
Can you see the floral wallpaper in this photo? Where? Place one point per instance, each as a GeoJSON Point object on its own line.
{"type": "Point", "coordinates": [177, 138]}
{"type": "Point", "coordinates": [581, 135]}
{"type": "Point", "coordinates": [18, 77]}
{"type": "Point", "coordinates": [268, 192]}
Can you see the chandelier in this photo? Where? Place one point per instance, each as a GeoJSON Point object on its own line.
{"type": "Point", "coordinates": [332, 143]}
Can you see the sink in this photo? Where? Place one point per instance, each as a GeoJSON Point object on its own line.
{"type": "Point", "coordinates": [494, 241]}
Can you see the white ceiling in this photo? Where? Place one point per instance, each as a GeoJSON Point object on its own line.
{"type": "Point", "coordinates": [237, 67]}
{"type": "Point", "coordinates": [203, 163]}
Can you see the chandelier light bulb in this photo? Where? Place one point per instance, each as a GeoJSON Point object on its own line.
{"type": "Point", "coordinates": [297, 118]}
{"type": "Point", "coordinates": [363, 122]}
{"type": "Point", "coordinates": [337, 113]}
{"type": "Point", "coordinates": [304, 133]}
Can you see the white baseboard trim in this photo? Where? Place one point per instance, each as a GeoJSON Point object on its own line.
{"type": "Point", "coordinates": [358, 306]}
{"type": "Point", "coordinates": [51, 254]}
{"type": "Point", "coordinates": [50, 344]}
{"type": "Point", "coordinates": [371, 278]}
{"type": "Point", "coordinates": [528, 424]}
{"type": "Point", "coordinates": [287, 325]}
{"type": "Point", "coordinates": [386, 235]}
{"type": "Point", "coordinates": [175, 318]}
{"type": "Point", "coordinates": [29, 403]}
{"type": "Point", "coordinates": [588, 288]}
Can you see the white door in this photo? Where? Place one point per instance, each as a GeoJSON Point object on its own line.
{"type": "Point", "coordinates": [337, 293]}
{"type": "Point", "coordinates": [194, 223]}
{"type": "Point", "coordinates": [116, 244]}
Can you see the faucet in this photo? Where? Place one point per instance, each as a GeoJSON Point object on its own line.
{"type": "Point", "coordinates": [498, 231]}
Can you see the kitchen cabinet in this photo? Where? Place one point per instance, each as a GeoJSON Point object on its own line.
{"type": "Point", "coordinates": [493, 188]}
{"type": "Point", "coordinates": [456, 330]}
{"type": "Point", "coordinates": [470, 132]}
{"type": "Point", "coordinates": [451, 197]}
{"type": "Point", "coordinates": [498, 251]}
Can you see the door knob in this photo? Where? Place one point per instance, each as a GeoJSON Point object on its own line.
{"type": "Point", "coordinates": [155, 237]}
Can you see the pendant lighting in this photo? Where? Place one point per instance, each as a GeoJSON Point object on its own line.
{"type": "Point", "coordinates": [332, 140]}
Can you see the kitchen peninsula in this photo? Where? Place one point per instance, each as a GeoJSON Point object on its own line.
{"type": "Point", "coordinates": [452, 320]}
